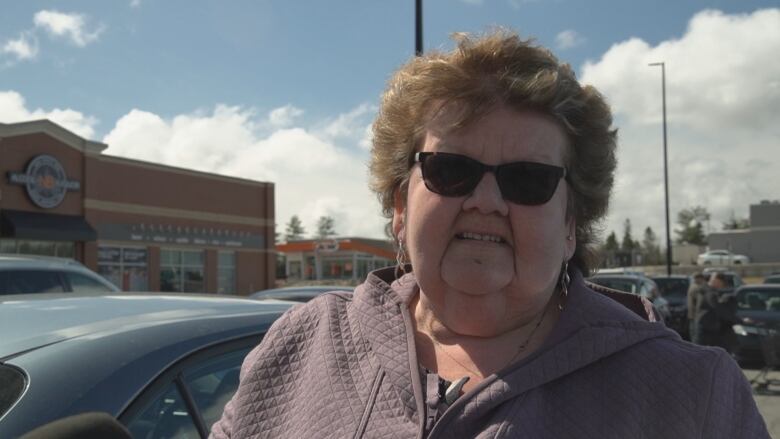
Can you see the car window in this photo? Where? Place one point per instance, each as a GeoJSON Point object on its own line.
{"type": "Point", "coordinates": [213, 383]}
{"type": "Point", "coordinates": [672, 286]}
{"type": "Point", "coordinates": [11, 387]}
{"type": "Point", "coordinates": [30, 281]}
{"type": "Point", "coordinates": [759, 300]}
{"type": "Point", "coordinates": [164, 417]}
{"type": "Point", "coordinates": [80, 283]}
{"type": "Point", "coordinates": [208, 381]}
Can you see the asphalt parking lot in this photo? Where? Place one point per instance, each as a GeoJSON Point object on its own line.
{"type": "Point", "coordinates": [768, 403]}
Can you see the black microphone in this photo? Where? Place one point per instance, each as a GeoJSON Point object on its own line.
{"type": "Point", "coordinates": [93, 425]}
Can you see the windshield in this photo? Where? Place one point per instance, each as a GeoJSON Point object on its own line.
{"type": "Point", "coordinates": [672, 286]}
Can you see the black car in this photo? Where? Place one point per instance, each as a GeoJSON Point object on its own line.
{"type": "Point", "coordinates": [163, 365]}
{"type": "Point", "coordinates": [674, 289]}
{"type": "Point", "coordinates": [758, 309]}
{"type": "Point", "coordinates": [635, 283]}
{"type": "Point", "coordinates": [296, 294]}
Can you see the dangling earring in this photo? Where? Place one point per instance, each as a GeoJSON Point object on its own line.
{"type": "Point", "coordinates": [564, 282]}
{"type": "Point", "coordinates": [400, 259]}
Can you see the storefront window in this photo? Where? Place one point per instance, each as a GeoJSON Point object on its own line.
{"type": "Point", "coordinates": [125, 267]}
{"type": "Point", "coordinates": [182, 271]}
{"type": "Point", "coordinates": [226, 273]}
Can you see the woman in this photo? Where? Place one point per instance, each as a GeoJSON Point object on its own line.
{"type": "Point", "coordinates": [493, 165]}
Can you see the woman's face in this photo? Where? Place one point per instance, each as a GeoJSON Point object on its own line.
{"type": "Point", "coordinates": [486, 265]}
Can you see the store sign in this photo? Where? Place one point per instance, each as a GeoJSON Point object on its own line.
{"type": "Point", "coordinates": [45, 181]}
{"type": "Point", "coordinates": [162, 234]}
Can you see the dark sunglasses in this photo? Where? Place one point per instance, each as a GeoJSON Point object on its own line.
{"type": "Point", "coordinates": [455, 175]}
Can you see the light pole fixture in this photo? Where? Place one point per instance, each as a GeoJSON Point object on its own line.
{"type": "Point", "coordinates": [666, 170]}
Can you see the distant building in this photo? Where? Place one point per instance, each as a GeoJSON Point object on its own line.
{"type": "Point", "coordinates": [760, 242]}
{"type": "Point", "coordinates": [143, 226]}
{"type": "Point", "coordinates": [347, 259]}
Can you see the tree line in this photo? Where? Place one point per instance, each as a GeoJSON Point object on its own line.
{"type": "Point", "coordinates": [294, 230]}
{"type": "Point", "coordinates": [689, 230]}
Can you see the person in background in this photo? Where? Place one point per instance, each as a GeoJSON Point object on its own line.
{"type": "Point", "coordinates": [715, 314]}
{"type": "Point", "coordinates": [695, 292]}
{"type": "Point", "coordinates": [493, 165]}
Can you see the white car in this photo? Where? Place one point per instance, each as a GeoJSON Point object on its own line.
{"type": "Point", "coordinates": [22, 274]}
{"type": "Point", "coordinates": [721, 257]}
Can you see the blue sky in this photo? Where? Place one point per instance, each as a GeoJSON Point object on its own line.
{"type": "Point", "coordinates": [285, 91]}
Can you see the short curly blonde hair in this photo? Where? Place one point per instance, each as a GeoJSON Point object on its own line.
{"type": "Point", "coordinates": [481, 73]}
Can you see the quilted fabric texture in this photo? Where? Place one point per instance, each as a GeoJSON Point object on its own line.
{"type": "Point", "coordinates": [344, 366]}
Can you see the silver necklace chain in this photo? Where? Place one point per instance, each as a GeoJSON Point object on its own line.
{"type": "Point", "coordinates": [520, 349]}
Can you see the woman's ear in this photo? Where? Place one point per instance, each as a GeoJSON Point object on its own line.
{"type": "Point", "coordinates": [399, 211]}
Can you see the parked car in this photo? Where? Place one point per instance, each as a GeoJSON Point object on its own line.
{"type": "Point", "coordinates": [163, 365]}
{"type": "Point", "coordinates": [674, 289]}
{"type": "Point", "coordinates": [635, 283]}
{"type": "Point", "coordinates": [40, 274]}
{"type": "Point", "coordinates": [758, 309]}
{"type": "Point", "coordinates": [772, 279]}
{"type": "Point", "coordinates": [721, 257]}
{"type": "Point", "coordinates": [297, 294]}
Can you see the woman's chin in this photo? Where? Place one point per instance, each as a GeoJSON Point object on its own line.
{"type": "Point", "coordinates": [477, 273]}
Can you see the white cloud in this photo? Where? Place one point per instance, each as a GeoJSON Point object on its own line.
{"type": "Point", "coordinates": [351, 124]}
{"type": "Point", "coordinates": [723, 97]}
{"type": "Point", "coordinates": [284, 116]}
{"type": "Point", "coordinates": [568, 39]}
{"type": "Point", "coordinates": [23, 48]}
{"type": "Point", "coordinates": [69, 26]}
{"type": "Point", "coordinates": [135, 3]}
{"type": "Point", "coordinates": [518, 4]}
{"type": "Point", "coordinates": [13, 109]}
{"type": "Point", "coordinates": [313, 176]}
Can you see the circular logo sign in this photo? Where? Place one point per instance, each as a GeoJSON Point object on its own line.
{"type": "Point", "coordinates": [46, 181]}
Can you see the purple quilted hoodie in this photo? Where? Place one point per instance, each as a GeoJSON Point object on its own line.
{"type": "Point", "coordinates": [344, 366]}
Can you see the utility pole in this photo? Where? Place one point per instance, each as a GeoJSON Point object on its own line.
{"type": "Point", "coordinates": [666, 170]}
{"type": "Point", "coordinates": [418, 37]}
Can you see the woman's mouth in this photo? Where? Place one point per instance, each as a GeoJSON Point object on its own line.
{"type": "Point", "coordinates": [484, 237]}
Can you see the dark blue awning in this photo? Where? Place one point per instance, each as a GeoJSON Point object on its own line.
{"type": "Point", "coordinates": [21, 224]}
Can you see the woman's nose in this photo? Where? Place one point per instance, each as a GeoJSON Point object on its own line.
{"type": "Point", "coordinates": [486, 197]}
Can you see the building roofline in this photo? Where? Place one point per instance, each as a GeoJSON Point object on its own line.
{"type": "Point", "coordinates": [54, 130]}
{"type": "Point", "coordinates": [95, 149]}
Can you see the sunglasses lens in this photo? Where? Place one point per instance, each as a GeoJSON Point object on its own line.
{"type": "Point", "coordinates": [530, 184]}
{"type": "Point", "coordinates": [451, 175]}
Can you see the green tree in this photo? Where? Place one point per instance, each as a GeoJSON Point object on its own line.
{"type": "Point", "coordinates": [690, 222]}
{"type": "Point", "coordinates": [325, 227]}
{"type": "Point", "coordinates": [650, 247]}
{"type": "Point", "coordinates": [294, 229]}
{"type": "Point", "coordinates": [628, 243]}
{"type": "Point", "coordinates": [612, 243]}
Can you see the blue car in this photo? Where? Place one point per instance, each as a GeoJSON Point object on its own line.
{"type": "Point", "coordinates": [163, 365]}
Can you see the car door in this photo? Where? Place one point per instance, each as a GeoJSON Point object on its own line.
{"type": "Point", "coordinates": [189, 397]}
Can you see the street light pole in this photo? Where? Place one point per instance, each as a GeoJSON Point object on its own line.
{"type": "Point", "coordinates": [418, 42]}
{"type": "Point", "coordinates": [666, 170]}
